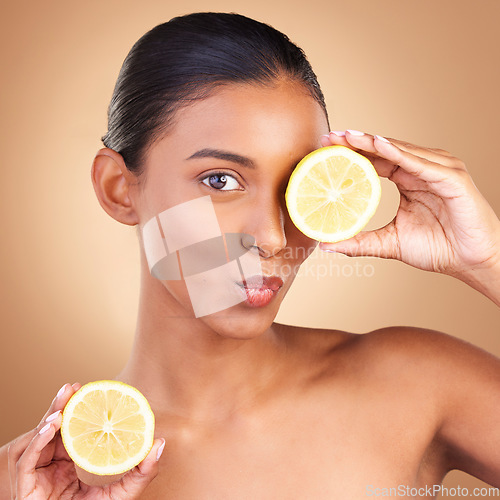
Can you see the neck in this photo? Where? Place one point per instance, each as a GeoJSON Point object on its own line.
{"type": "Point", "coordinates": [187, 368]}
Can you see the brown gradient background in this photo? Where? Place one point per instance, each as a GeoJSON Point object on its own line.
{"type": "Point", "coordinates": [424, 71]}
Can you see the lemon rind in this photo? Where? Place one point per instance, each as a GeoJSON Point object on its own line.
{"type": "Point", "coordinates": [301, 171]}
{"type": "Point", "coordinates": [132, 461]}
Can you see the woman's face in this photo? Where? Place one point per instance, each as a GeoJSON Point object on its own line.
{"type": "Point", "coordinates": [237, 149]}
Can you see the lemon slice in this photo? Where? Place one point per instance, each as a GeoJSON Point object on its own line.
{"type": "Point", "coordinates": [107, 427]}
{"type": "Point", "coordinates": [332, 193]}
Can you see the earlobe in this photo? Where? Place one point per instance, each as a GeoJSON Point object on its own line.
{"type": "Point", "coordinates": [113, 183]}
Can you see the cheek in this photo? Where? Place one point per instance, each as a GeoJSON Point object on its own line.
{"type": "Point", "coordinates": [178, 290]}
{"type": "Point", "coordinates": [299, 246]}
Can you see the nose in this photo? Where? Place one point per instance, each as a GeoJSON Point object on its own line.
{"type": "Point", "coordinates": [268, 228]}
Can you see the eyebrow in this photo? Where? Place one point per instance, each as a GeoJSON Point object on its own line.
{"type": "Point", "coordinates": [223, 155]}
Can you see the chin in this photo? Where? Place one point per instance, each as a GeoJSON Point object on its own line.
{"type": "Point", "coordinates": [257, 304]}
{"type": "Point", "coordinates": [241, 322]}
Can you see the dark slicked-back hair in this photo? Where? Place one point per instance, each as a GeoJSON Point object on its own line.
{"type": "Point", "coordinates": [186, 59]}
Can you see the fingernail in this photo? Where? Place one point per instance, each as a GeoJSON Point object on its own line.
{"type": "Point", "coordinates": [383, 139]}
{"type": "Point", "coordinates": [355, 132]}
{"type": "Point", "coordinates": [335, 249]}
{"type": "Point", "coordinates": [160, 450]}
{"type": "Point", "coordinates": [330, 250]}
{"type": "Point", "coordinates": [60, 392]}
{"type": "Point", "coordinates": [45, 428]}
{"type": "Point", "coordinates": [326, 136]}
{"type": "Point", "coordinates": [53, 416]}
{"type": "Point", "coordinates": [339, 133]}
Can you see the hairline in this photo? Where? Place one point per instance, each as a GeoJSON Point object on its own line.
{"type": "Point", "coordinates": [205, 91]}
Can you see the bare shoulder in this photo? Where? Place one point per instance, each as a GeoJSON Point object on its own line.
{"type": "Point", "coordinates": [456, 388]}
{"type": "Point", "coordinates": [313, 340]}
{"type": "Point", "coordinates": [411, 351]}
{"type": "Point", "coordinates": [388, 341]}
{"type": "Point", "coordinates": [427, 351]}
{"type": "Point", "coordinates": [435, 395]}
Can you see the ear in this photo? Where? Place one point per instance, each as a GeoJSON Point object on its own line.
{"type": "Point", "coordinates": [113, 184]}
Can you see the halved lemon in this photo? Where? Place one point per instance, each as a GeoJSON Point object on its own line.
{"type": "Point", "coordinates": [107, 427]}
{"type": "Point", "coordinates": [333, 193]}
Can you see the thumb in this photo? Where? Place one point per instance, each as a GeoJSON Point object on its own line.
{"type": "Point", "coordinates": [135, 481]}
{"type": "Point", "coordinates": [381, 243]}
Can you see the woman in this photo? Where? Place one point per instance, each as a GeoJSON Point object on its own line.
{"type": "Point", "coordinates": [218, 107]}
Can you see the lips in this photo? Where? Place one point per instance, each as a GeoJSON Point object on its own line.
{"type": "Point", "coordinates": [260, 290]}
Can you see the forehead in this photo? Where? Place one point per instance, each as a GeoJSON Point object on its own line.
{"type": "Point", "coordinates": [249, 119]}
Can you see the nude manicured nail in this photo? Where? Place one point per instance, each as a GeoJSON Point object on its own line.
{"type": "Point", "coordinates": [339, 133]}
{"type": "Point", "coordinates": [383, 139]}
{"type": "Point", "coordinates": [45, 428]}
{"type": "Point", "coordinates": [356, 132]}
{"type": "Point", "coordinates": [60, 392]}
{"type": "Point", "coordinates": [53, 416]}
{"type": "Point", "coordinates": [160, 451]}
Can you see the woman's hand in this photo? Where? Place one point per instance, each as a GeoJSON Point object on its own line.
{"type": "Point", "coordinates": [40, 468]}
{"type": "Point", "coordinates": [443, 223]}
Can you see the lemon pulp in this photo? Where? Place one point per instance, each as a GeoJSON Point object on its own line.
{"type": "Point", "coordinates": [332, 193]}
{"type": "Point", "coordinates": [107, 427]}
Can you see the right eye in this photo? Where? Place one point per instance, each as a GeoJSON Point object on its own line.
{"type": "Point", "coordinates": [222, 182]}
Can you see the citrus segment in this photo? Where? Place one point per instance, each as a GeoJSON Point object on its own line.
{"type": "Point", "coordinates": [107, 427]}
{"type": "Point", "coordinates": [332, 193]}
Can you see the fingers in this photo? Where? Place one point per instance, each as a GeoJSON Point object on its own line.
{"type": "Point", "coordinates": [26, 478]}
{"type": "Point", "coordinates": [428, 165]}
{"type": "Point", "coordinates": [135, 481]}
{"type": "Point", "coordinates": [435, 155]}
{"type": "Point", "coordinates": [61, 398]}
{"type": "Point", "coordinates": [353, 138]}
{"type": "Point", "coordinates": [381, 243]}
{"type": "Point", "coordinates": [20, 445]}
{"type": "Point", "coordinates": [14, 452]}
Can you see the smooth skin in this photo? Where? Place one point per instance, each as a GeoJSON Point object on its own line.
{"type": "Point", "coordinates": [252, 409]}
